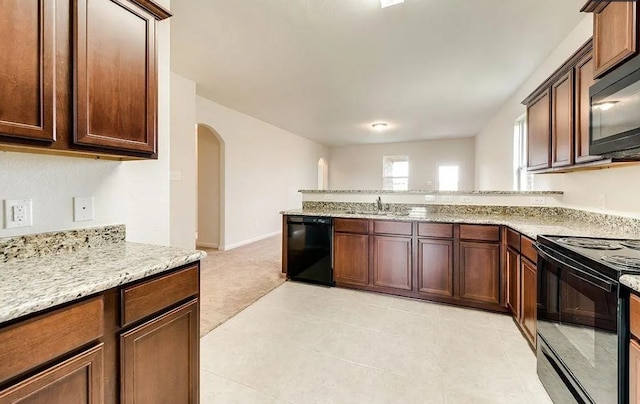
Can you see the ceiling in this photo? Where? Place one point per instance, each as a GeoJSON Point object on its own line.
{"type": "Point", "coordinates": [328, 69]}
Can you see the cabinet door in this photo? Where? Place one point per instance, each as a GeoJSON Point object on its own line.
{"type": "Point", "coordinates": [78, 380]}
{"type": "Point", "coordinates": [351, 258]}
{"type": "Point", "coordinates": [529, 300]}
{"type": "Point", "coordinates": [115, 76]}
{"type": "Point", "coordinates": [435, 267]}
{"type": "Point", "coordinates": [392, 262]}
{"type": "Point", "coordinates": [562, 121]}
{"type": "Point", "coordinates": [538, 138]}
{"type": "Point", "coordinates": [614, 35]}
{"type": "Point", "coordinates": [480, 272]}
{"type": "Point", "coordinates": [159, 359]}
{"type": "Point", "coordinates": [27, 82]}
{"type": "Point", "coordinates": [583, 80]}
{"type": "Point", "coordinates": [634, 371]}
{"type": "Point", "coordinates": [513, 282]}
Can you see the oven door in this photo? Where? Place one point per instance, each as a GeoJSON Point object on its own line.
{"type": "Point", "coordinates": [577, 320]}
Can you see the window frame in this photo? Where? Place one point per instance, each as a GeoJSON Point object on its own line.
{"type": "Point", "coordinates": [444, 164]}
{"type": "Point", "coordinates": [388, 180]}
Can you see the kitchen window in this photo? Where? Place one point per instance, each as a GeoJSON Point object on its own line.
{"type": "Point", "coordinates": [522, 181]}
{"type": "Point", "coordinates": [395, 173]}
{"type": "Point", "coordinates": [448, 176]}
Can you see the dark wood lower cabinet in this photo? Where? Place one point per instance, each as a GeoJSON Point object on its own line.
{"type": "Point", "coordinates": [351, 259]}
{"type": "Point", "coordinates": [513, 281]}
{"type": "Point", "coordinates": [435, 267]}
{"type": "Point", "coordinates": [78, 380]}
{"type": "Point", "coordinates": [157, 363]}
{"type": "Point", "coordinates": [529, 300]}
{"type": "Point", "coordinates": [634, 371]}
{"type": "Point", "coordinates": [480, 272]}
{"type": "Point", "coordinates": [392, 262]}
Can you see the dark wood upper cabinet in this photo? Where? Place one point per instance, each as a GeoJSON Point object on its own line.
{"type": "Point", "coordinates": [435, 267]}
{"type": "Point", "coordinates": [480, 272]}
{"type": "Point", "coordinates": [615, 35]}
{"type": "Point", "coordinates": [583, 80]}
{"type": "Point", "coordinates": [538, 132]}
{"type": "Point", "coordinates": [392, 260]}
{"type": "Point", "coordinates": [27, 58]}
{"type": "Point", "coordinates": [158, 362]}
{"type": "Point", "coordinates": [351, 259]}
{"type": "Point", "coordinates": [115, 76]}
{"type": "Point", "coordinates": [562, 121]}
{"type": "Point", "coordinates": [81, 76]}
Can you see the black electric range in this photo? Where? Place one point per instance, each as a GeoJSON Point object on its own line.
{"type": "Point", "coordinates": [582, 317]}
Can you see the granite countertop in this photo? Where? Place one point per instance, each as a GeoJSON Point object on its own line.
{"type": "Point", "coordinates": [631, 281]}
{"type": "Point", "coordinates": [529, 226]}
{"type": "Point", "coordinates": [431, 192]}
{"type": "Point", "coordinates": [38, 282]}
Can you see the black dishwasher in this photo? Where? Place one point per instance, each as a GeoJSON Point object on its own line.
{"type": "Point", "coordinates": [309, 256]}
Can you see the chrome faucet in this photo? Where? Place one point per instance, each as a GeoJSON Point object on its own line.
{"type": "Point", "coordinates": [379, 204]}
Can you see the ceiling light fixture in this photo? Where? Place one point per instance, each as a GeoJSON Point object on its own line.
{"type": "Point", "coordinates": [380, 126]}
{"type": "Point", "coordinates": [389, 3]}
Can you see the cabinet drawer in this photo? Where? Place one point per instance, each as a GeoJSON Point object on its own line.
{"type": "Point", "coordinates": [634, 315]}
{"type": "Point", "coordinates": [479, 232]}
{"type": "Point", "coordinates": [528, 250]}
{"type": "Point", "coordinates": [435, 230]}
{"type": "Point", "coordinates": [144, 299]}
{"type": "Point", "coordinates": [351, 225]}
{"type": "Point", "coordinates": [31, 343]}
{"type": "Point", "coordinates": [513, 239]}
{"type": "Point", "coordinates": [389, 227]}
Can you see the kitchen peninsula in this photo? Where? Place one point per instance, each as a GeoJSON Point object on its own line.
{"type": "Point", "coordinates": [84, 314]}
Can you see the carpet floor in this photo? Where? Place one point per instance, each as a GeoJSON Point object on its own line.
{"type": "Point", "coordinates": [232, 280]}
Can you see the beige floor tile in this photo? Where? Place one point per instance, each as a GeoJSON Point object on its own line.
{"type": "Point", "coordinates": [306, 344]}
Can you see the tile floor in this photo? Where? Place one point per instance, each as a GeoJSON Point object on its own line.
{"type": "Point", "coordinates": [308, 344]}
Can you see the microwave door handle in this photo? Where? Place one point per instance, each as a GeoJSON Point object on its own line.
{"type": "Point", "coordinates": [577, 272]}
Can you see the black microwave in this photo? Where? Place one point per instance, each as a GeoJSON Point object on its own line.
{"type": "Point", "coordinates": [615, 113]}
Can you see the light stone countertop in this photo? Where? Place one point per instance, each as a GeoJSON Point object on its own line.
{"type": "Point", "coordinates": [426, 192]}
{"type": "Point", "coordinates": [631, 281]}
{"type": "Point", "coordinates": [529, 226]}
{"type": "Point", "coordinates": [29, 285]}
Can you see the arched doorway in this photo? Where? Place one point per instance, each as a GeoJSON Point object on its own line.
{"type": "Point", "coordinates": [210, 188]}
{"type": "Point", "coordinates": [323, 174]}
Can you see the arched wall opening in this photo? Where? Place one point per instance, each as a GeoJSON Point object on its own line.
{"type": "Point", "coordinates": [210, 188]}
{"type": "Point", "coordinates": [323, 174]}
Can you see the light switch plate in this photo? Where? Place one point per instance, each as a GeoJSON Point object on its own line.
{"type": "Point", "coordinates": [82, 209]}
{"type": "Point", "coordinates": [18, 213]}
{"type": "Point", "coordinates": [430, 198]}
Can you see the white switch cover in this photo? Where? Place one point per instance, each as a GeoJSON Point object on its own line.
{"type": "Point", "coordinates": [538, 200]}
{"type": "Point", "coordinates": [82, 209]}
{"type": "Point", "coordinates": [466, 199]}
{"type": "Point", "coordinates": [328, 197]}
{"type": "Point", "coordinates": [18, 213]}
{"type": "Point", "coordinates": [430, 198]}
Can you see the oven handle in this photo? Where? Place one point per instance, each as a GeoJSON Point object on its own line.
{"type": "Point", "coordinates": [577, 272]}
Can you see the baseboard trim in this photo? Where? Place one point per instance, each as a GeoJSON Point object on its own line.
{"type": "Point", "coordinates": [249, 241]}
{"type": "Point", "coordinates": [206, 245]}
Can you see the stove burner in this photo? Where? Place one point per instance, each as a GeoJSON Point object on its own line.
{"type": "Point", "coordinates": [635, 244]}
{"type": "Point", "coordinates": [590, 243]}
{"type": "Point", "coordinates": [629, 262]}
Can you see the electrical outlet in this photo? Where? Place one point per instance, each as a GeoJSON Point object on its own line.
{"type": "Point", "coordinates": [466, 199]}
{"type": "Point", "coordinates": [430, 198]}
{"type": "Point", "coordinates": [539, 200]}
{"type": "Point", "coordinates": [82, 209]}
{"type": "Point", "coordinates": [447, 198]}
{"type": "Point", "coordinates": [328, 197]}
{"type": "Point", "coordinates": [18, 213]}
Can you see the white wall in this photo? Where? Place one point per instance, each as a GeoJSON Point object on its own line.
{"type": "Point", "coordinates": [135, 193]}
{"type": "Point", "coordinates": [183, 168]}
{"type": "Point", "coordinates": [584, 190]}
{"type": "Point", "coordinates": [209, 204]}
{"type": "Point", "coordinates": [360, 167]}
{"type": "Point", "coordinates": [265, 166]}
